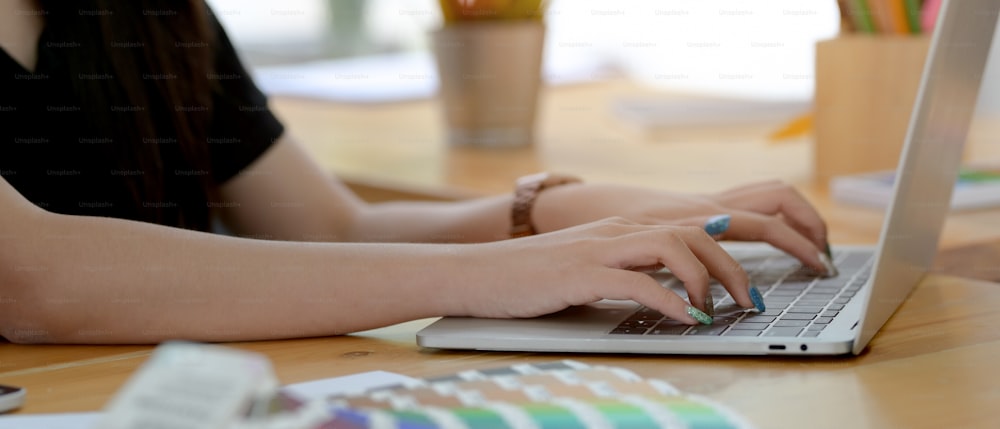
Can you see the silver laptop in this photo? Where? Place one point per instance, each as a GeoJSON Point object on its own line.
{"type": "Point", "coordinates": [806, 315]}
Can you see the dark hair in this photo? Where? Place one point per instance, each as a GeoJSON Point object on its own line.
{"type": "Point", "coordinates": [159, 53]}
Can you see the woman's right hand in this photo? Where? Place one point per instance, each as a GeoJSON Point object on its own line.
{"type": "Point", "coordinates": [546, 273]}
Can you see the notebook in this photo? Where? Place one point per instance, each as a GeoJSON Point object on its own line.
{"type": "Point", "coordinates": [806, 315]}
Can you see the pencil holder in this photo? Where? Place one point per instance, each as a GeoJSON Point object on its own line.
{"type": "Point", "coordinates": [490, 75]}
{"type": "Point", "coordinates": [865, 89]}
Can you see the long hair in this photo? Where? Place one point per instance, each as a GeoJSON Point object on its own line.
{"type": "Point", "coordinates": [155, 57]}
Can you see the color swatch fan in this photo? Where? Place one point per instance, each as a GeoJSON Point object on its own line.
{"type": "Point", "coordinates": [564, 395]}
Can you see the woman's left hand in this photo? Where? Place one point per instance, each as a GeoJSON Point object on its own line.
{"type": "Point", "coordinates": [772, 212]}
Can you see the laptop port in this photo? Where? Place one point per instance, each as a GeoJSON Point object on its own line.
{"type": "Point", "coordinates": [776, 347]}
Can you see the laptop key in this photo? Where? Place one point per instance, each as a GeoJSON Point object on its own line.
{"type": "Point", "coordinates": [707, 330]}
{"type": "Point", "coordinates": [629, 331]}
{"type": "Point", "coordinates": [819, 295]}
{"type": "Point", "coordinates": [805, 309]}
{"type": "Point", "coordinates": [771, 312]}
{"type": "Point", "coordinates": [835, 307]}
{"type": "Point", "coordinates": [783, 332]}
{"type": "Point", "coordinates": [804, 278]}
{"type": "Point", "coordinates": [811, 334]}
{"type": "Point", "coordinates": [829, 314]}
{"type": "Point", "coordinates": [630, 323]}
{"type": "Point", "coordinates": [782, 264]}
{"type": "Point", "coordinates": [754, 326]}
{"type": "Point", "coordinates": [668, 329]}
{"type": "Point", "coordinates": [793, 283]}
{"type": "Point", "coordinates": [841, 301]}
{"type": "Point", "coordinates": [723, 320]}
{"type": "Point", "coordinates": [792, 323]}
{"type": "Point", "coordinates": [647, 314]}
{"type": "Point", "coordinates": [742, 333]}
{"type": "Point", "coordinates": [833, 282]}
{"type": "Point", "coordinates": [822, 320]}
{"type": "Point", "coordinates": [759, 319]}
{"type": "Point", "coordinates": [797, 316]}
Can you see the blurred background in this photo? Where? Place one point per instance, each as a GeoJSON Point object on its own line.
{"type": "Point", "coordinates": [683, 45]}
{"type": "Point", "coordinates": [738, 48]}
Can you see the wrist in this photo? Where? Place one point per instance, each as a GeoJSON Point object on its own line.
{"type": "Point", "coordinates": [526, 193]}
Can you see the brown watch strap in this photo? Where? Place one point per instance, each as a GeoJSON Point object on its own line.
{"type": "Point", "coordinates": [525, 194]}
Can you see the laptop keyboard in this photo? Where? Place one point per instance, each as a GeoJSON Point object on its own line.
{"type": "Point", "coordinates": [799, 302]}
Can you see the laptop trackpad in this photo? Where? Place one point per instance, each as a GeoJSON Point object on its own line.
{"type": "Point", "coordinates": [596, 318]}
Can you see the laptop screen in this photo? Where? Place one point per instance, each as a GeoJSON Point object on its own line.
{"type": "Point", "coordinates": [931, 156]}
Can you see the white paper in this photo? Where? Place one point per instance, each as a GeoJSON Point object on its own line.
{"type": "Point", "coordinates": [395, 77]}
{"type": "Point", "coordinates": [647, 113]}
{"type": "Point", "coordinates": [348, 384]}
{"type": "Point", "coordinates": [307, 390]}
{"type": "Point", "coordinates": [49, 421]}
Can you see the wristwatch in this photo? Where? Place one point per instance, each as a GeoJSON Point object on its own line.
{"type": "Point", "coordinates": [525, 193]}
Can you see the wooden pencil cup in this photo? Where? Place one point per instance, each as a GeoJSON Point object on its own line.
{"type": "Point", "coordinates": [865, 89]}
{"type": "Point", "coordinates": [490, 76]}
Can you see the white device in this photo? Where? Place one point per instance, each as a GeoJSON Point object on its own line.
{"type": "Point", "coordinates": [11, 398]}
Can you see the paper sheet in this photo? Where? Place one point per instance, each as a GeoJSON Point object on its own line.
{"type": "Point", "coordinates": [345, 385]}
{"type": "Point", "coordinates": [395, 77]}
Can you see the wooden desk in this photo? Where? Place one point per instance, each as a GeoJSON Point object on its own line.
{"type": "Point", "coordinates": [931, 366]}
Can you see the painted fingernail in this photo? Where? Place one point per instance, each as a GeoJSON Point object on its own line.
{"type": "Point", "coordinates": [757, 299]}
{"type": "Point", "coordinates": [710, 305]}
{"type": "Point", "coordinates": [831, 270]}
{"type": "Point", "coordinates": [699, 315]}
{"type": "Point", "coordinates": [717, 224]}
{"type": "Point", "coordinates": [829, 254]}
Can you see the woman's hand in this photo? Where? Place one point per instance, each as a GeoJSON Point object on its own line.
{"type": "Point", "coordinates": [773, 212]}
{"type": "Point", "coordinates": [546, 273]}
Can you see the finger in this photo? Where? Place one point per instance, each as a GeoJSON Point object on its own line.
{"type": "Point", "coordinates": [778, 198]}
{"type": "Point", "coordinates": [750, 226]}
{"type": "Point", "coordinates": [663, 245]}
{"type": "Point", "coordinates": [720, 265]}
{"type": "Point", "coordinates": [773, 230]}
{"type": "Point", "coordinates": [649, 269]}
{"type": "Point", "coordinates": [645, 290]}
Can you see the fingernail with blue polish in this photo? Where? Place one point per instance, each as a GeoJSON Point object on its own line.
{"type": "Point", "coordinates": [717, 224]}
{"type": "Point", "coordinates": [699, 315]}
{"type": "Point", "coordinates": [757, 299]}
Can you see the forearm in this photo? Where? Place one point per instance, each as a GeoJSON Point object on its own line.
{"type": "Point", "coordinates": [469, 221]}
{"type": "Point", "coordinates": [286, 196]}
{"type": "Point", "coordinates": [95, 280]}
